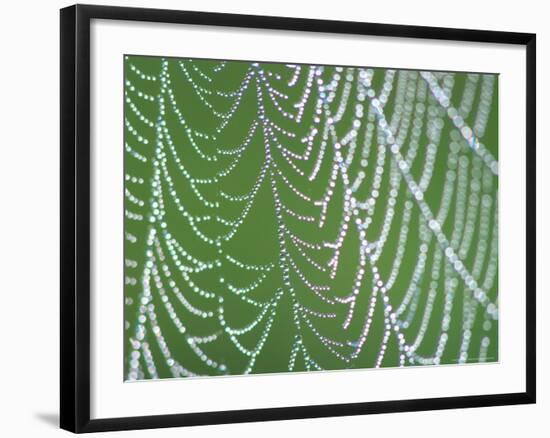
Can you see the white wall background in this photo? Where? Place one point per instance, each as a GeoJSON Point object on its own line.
{"type": "Point", "coordinates": [29, 206]}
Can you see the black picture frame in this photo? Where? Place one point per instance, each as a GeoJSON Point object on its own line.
{"type": "Point", "coordinates": [75, 216]}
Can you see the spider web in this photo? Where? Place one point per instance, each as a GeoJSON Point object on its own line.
{"type": "Point", "coordinates": [285, 217]}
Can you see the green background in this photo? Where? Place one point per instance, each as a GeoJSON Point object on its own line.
{"type": "Point", "coordinates": [257, 239]}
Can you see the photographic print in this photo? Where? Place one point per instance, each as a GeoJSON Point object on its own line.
{"type": "Point", "coordinates": [292, 218]}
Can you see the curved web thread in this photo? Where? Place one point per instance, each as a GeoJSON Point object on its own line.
{"type": "Point", "coordinates": [294, 217]}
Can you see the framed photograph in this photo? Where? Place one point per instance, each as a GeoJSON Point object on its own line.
{"type": "Point", "coordinates": [269, 218]}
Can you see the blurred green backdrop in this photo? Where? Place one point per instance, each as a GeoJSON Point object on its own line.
{"type": "Point", "coordinates": [296, 217]}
